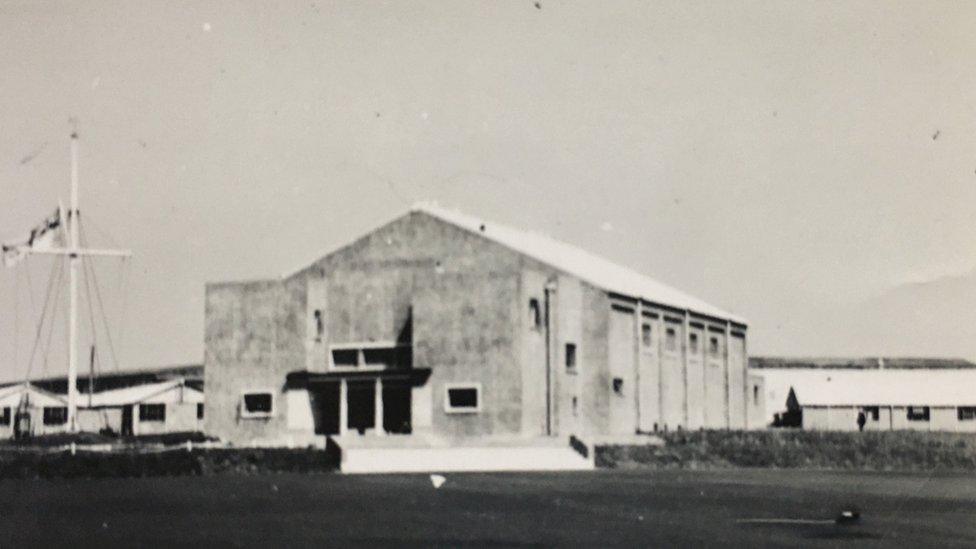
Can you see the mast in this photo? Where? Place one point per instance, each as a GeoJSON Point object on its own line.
{"type": "Point", "coordinates": [73, 259]}
{"type": "Point", "coordinates": [74, 252]}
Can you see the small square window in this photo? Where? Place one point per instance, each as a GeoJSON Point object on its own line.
{"type": "Point", "coordinates": [55, 415]}
{"type": "Point", "coordinates": [152, 412]}
{"type": "Point", "coordinates": [199, 410]}
{"type": "Point", "coordinates": [257, 405]}
{"type": "Point", "coordinates": [535, 314]}
{"type": "Point", "coordinates": [618, 385]}
{"type": "Point", "coordinates": [5, 416]}
{"type": "Point", "coordinates": [918, 413]}
{"type": "Point", "coordinates": [462, 399]}
{"type": "Point", "coordinates": [693, 343]}
{"type": "Point", "coordinates": [966, 413]}
{"type": "Point", "coordinates": [670, 339]}
{"type": "Point", "coordinates": [571, 358]}
{"type": "Point", "coordinates": [647, 335]}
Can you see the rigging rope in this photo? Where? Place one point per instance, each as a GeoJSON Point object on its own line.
{"type": "Point", "coordinates": [101, 305]}
{"type": "Point", "coordinates": [40, 322]}
{"type": "Point", "coordinates": [54, 314]}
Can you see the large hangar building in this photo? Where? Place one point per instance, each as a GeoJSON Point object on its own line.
{"type": "Point", "coordinates": [441, 327]}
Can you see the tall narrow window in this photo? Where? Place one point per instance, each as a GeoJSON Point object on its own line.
{"type": "Point", "coordinates": [693, 343]}
{"type": "Point", "coordinates": [713, 348]}
{"type": "Point", "coordinates": [646, 334]}
{"type": "Point", "coordinates": [671, 339]}
{"type": "Point", "coordinates": [535, 314]}
{"type": "Point", "coordinates": [755, 395]}
{"type": "Point", "coordinates": [5, 417]}
{"type": "Point", "coordinates": [570, 358]}
{"type": "Point", "coordinates": [319, 325]}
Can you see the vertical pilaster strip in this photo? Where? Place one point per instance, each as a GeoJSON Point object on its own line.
{"type": "Point", "coordinates": [638, 320]}
{"type": "Point", "coordinates": [684, 367]}
{"type": "Point", "coordinates": [343, 406]}
{"type": "Point", "coordinates": [728, 372]}
{"type": "Point", "coordinates": [378, 408]}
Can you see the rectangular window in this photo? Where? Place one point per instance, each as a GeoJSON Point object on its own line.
{"type": "Point", "coordinates": [966, 413]}
{"type": "Point", "coordinates": [462, 398]}
{"type": "Point", "coordinates": [693, 343]}
{"type": "Point", "coordinates": [571, 358]}
{"type": "Point", "coordinates": [5, 416]}
{"type": "Point", "coordinates": [199, 410]}
{"type": "Point", "coordinates": [535, 314]}
{"type": "Point", "coordinates": [345, 358]}
{"type": "Point", "coordinates": [152, 412]}
{"type": "Point", "coordinates": [872, 412]}
{"type": "Point", "coordinates": [257, 405]}
{"type": "Point", "coordinates": [55, 415]}
{"type": "Point", "coordinates": [646, 335]}
{"type": "Point", "coordinates": [918, 413]}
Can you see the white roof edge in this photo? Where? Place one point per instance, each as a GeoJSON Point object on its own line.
{"type": "Point", "coordinates": [578, 262]}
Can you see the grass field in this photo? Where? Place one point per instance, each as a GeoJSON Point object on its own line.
{"type": "Point", "coordinates": [622, 508]}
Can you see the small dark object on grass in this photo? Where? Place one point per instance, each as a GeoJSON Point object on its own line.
{"type": "Point", "coordinates": [849, 516]}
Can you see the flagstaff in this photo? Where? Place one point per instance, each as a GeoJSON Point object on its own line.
{"type": "Point", "coordinates": [41, 241]}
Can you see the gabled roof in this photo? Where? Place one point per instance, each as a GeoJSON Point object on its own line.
{"type": "Point", "coordinates": [584, 265]}
{"type": "Point", "coordinates": [138, 394]}
{"type": "Point", "coordinates": [882, 387]}
{"type": "Point", "coordinates": [12, 394]}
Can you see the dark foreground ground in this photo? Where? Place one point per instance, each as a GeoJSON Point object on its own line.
{"type": "Point", "coordinates": [623, 508]}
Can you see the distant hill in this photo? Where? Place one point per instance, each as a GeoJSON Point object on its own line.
{"type": "Point", "coordinates": [893, 363]}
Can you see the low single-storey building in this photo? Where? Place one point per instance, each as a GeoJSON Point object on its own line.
{"type": "Point", "coordinates": [150, 409]}
{"type": "Point", "coordinates": [27, 411]}
{"type": "Point", "coordinates": [440, 326]}
{"type": "Point", "coordinates": [920, 400]}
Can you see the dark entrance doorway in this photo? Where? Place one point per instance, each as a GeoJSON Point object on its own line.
{"type": "Point", "coordinates": [127, 421]}
{"type": "Point", "coordinates": [325, 408]}
{"type": "Point", "coordinates": [396, 407]}
{"type": "Point", "coordinates": [362, 405]}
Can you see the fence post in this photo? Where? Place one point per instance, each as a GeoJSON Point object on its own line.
{"type": "Point", "coordinates": [72, 448]}
{"type": "Point", "coordinates": [189, 446]}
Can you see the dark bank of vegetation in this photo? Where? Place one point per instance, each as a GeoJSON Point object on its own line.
{"type": "Point", "coordinates": [142, 462]}
{"type": "Point", "coordinates": [785, 449]}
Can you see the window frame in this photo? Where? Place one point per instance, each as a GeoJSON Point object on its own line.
{"type": "Point", "coordinates": [571, 357]}
{"type": "Point", "coordinates": [44, 414]}
{"type": "Point", "coordinates": [449, 409]}
{"type": "Point", "coordinates": [872, 413]}
{"type": "Point", "coordinates": [924, 416]}
{"type": "Point", "coordinates": [152, 406]}
{"type": "Point", "coordinates": [245, 414]}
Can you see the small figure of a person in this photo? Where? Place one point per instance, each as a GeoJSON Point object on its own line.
{"type": "Point", "coordinates": [861, 420]}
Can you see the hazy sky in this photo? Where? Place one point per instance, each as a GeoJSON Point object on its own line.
{"type": "Point", "coordinates": [782, 160]}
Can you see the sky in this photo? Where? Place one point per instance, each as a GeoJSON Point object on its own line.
{"type": "Point", "coordinates": [796, 163]}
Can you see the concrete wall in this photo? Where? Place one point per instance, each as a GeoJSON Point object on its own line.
{"type": "Point", "coordinates": [254, 336]}
{"type": "Point", "coordinates": [755, 402]}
